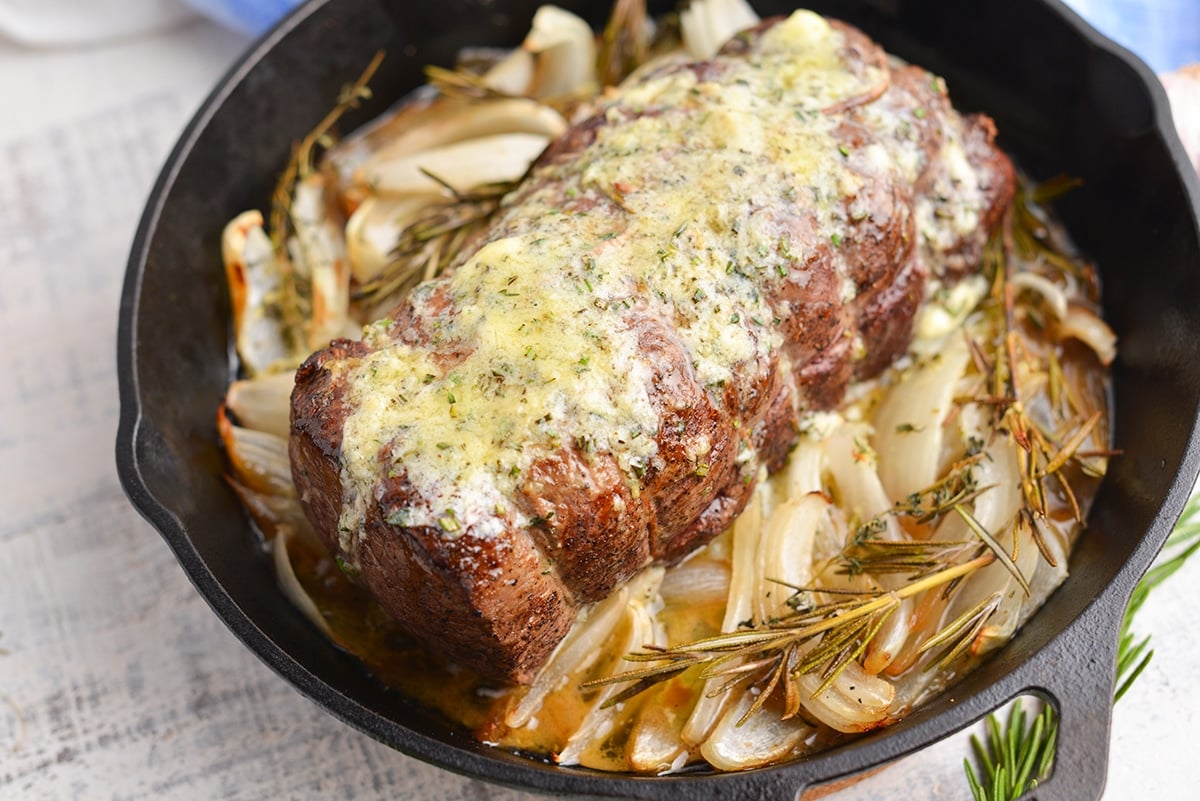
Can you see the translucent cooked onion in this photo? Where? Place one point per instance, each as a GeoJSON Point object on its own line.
{"type": "Point", "coordinates": [889, 641]}
{"type": "Point", "coordinates": [419, 125]}
{"type": "Point", "coordinates": [1089, 329]}
{"type": "Point", "coordinates": [995, 510]}
{"type": "Point", "coordinates": [259, 460]}
{"type": "Point", "coordinates": [589, 744]}
{"type": "Point", "coordinates": [909, 420]}
{"type": "Point", "coordinates": [739, 607]}
{"type": "Point", "coordinates": [318, 252]}
{"type": "Point", "coordinates": [785, 553]}
{"type": "Point", "coordinates": [855, 471]}
{"type": "Point", "coordinates": [696, 582]}
{"type": "Point", "coordinates": [270, 511]}
{"type": "Point", "coordinates": [254, 278]}
{"type": "Point", "coordinates": [583, 645]}
{"type": "Point", "coordinates": [762, 739]}
{"type": "Point", "coordinates": [462, 165]}
{"type": "Point", "coordinates": [803, 472]}
{"type": "Point", "coordinates": [708, 24]}
{"type": "Point", "coordinates": [374, 230]}
{"type": "Point", "coordinates": [565, 50]}
{"type": "Point", "coordinates": [855, 702]}
{"type": "Point", "coordinates": [1048, 576]}
{"type": "Point", "coordinates": [290, 583]}
{"type": "Point", "coordinates": [1054, 296]}
{"type": "Point", "coordinates": [263, 403]}
{"type": "Point", "coordinates": [655, 744]}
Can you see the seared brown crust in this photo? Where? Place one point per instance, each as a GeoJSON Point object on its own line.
{"type": "Point", "coordinates": [577, 526]}
{"type": "Point", "coordinates": [315, 445]}
{"type": "Point", "coordinates": [498, 590]}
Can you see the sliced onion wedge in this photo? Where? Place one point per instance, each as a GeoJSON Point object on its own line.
{"type": "Point", "coordinates": [908, 423]}
{"type": "Point", "coordinates": [427, 124]}
{"type": "Point", "coordinates": [589, 745]}
{"type": "Point", "coordinates": [583, 645]}
{"type": "Point", "coordinates": [374, 230]}
{"type": "Point", "coordinates": [565, 50]}
{"type": "Point", "coordinates": [462, 165]}
{"type": "Point", "coordinates": [290, 583]}
{"type": "Point", "coordinates": [318, 251]}
{"type": "Point", "coordinates": [743, 587]}
{"type": "Point", "coordinates": [762, 739]}
{"type": "Point", "coordinates": [259, 460]}
{"type": "Point", "coordinates": [263, 403]}
{"type": "Point", "coordinates": [254, 276]}
{"type": "Point", "coordinates": [655, 744]}
{"type": "Point", "coordinates": [1089, 329]}
{"type": "Point", "coordinates": [708, 24]}
{"type": "Point", "coordinates": [456, 121]}
{"type": "Point", "coordinates": [785, 551]}
{"type": "Point", "coordinates": [855, 702]}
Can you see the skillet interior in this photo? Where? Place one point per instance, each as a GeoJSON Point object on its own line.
{"type": "Point", "coordinates": [1064, 101]}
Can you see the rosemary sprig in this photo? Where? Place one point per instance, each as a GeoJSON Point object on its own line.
{"type": "Point", "coordinates": [1005, 760]}
{"type": "Point", "coordinates": [952, 493]}
{"type": "Point", "coordinates": [462, 83]}
{"type": "Point", "coordinates": [1028, 242]}
{"type": "Point", "coordinates": [996, 547]}
{"type": "Point", "coordinates": [927, 506]}
{"type": "Point", "coordinates": [301, 164]}
{"type": "Point", "coordinates": [1134, 655]}
{"type": "Point", "coordinates": [957, 636]}
{"type": "Point", "coordinates": [1014, 758]}
{"type": "Point", "coordinates": [623, 44]}
{"type": "Point", "coordinates": [824, 637]}
{"type": "Point", "coordinates": [909, 558]}
{"type": "Point", "coordinates": [1033, 237]}
{"type": "Point", "coordinates": [295, 302]}
{"type": "Point", "coordinates": [431, 242]}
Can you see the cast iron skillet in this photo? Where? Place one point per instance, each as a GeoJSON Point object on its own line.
{"type": "Point", "coordinates": [1065, 100]}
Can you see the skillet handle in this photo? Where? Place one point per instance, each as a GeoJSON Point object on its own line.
{"type": "Point", "coordinates": [1077, 675]}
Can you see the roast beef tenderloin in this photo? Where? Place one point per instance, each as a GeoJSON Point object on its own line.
{"type": "Point", "coordinates": [718, 247]}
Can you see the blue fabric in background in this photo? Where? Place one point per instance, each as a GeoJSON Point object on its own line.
{"type": "Point", "coordinates": [250, 17]}
{"type": "Point", "coordinates": [1164, 33]}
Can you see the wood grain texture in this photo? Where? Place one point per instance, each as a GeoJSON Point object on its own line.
{"type": "Point", "coordinates": [116, 680]}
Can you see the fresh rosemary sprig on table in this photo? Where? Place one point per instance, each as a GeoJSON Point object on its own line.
{"type": "Point", "coordinates": [1014, 758]}
{"type": "Point", "coordinates": [1132, 655]}
{"type": "Point", "coordinates": [1008, 758]}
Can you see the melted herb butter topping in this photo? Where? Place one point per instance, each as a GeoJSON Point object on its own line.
{"type": "Point", "coordinates": [546, 370]}
{"type": "Point", "coordinates": [681, 178]}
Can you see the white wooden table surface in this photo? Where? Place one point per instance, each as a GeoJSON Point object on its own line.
{"type": "Point", "coordinates": [116, 681]}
